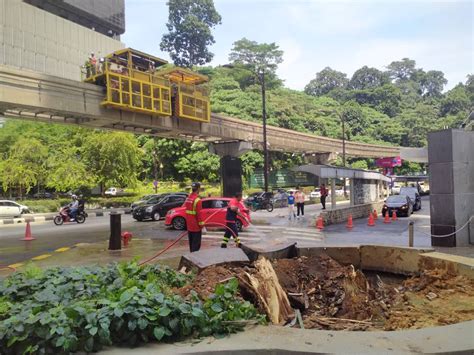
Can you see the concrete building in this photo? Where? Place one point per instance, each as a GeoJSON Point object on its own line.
{"type": "Point", "coordinates": [58, 38]}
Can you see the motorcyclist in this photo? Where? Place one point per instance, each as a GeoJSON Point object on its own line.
{"type": "Point", "coordinates": [73, 207]}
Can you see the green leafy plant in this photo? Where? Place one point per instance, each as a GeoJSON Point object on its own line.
{"type": "Point", "coordinates": [63, 310]}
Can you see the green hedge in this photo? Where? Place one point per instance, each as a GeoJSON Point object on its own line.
{"type": "Point", "coordinates": [84, 309]}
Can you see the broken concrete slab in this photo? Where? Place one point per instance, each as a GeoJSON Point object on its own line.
{"type": "Point", "coordinates": [273, 251]}
{"type": "Point", "coordinates": [344, 254]}
{"type": "Point", "coordinates": [215, 256]}
{"type": "Point", "coordinates": [398, 260]}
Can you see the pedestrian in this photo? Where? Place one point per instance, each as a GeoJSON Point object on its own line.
{"type": "Point", "coordinates": [291, 206]}
{"type": "Point", "coordinates": [93, 64]}
{"type": "Point", "coordinates": [193, 223]}
{"type": "Point", "coordinates": [324, 194]}
{"type": "Point", "coordinates": [231, 230]}
{"type": "Point", "coordinates": [299, 198]}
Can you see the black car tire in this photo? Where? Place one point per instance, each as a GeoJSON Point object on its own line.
{"type": "Point", "coordinates": [179, 223]}
{"type": "Point", "coordinates": [239, 225]}
{"type": "Point", "coordinates": [156, 216]}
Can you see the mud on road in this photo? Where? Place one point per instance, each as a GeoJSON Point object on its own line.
{"type": "Point", "coordinates": [338, 297]}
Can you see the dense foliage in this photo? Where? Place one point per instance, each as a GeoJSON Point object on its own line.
{"type": "Point", "coordinates": [64, 310]}
{"type": "Point", "coordinates": [189, 25]}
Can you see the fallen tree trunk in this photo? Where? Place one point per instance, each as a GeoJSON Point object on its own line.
{"type": "Point", "coordinates": [263, 286]}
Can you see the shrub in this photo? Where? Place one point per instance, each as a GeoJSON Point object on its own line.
{"type": "Point", "coordinates": [63, 310]}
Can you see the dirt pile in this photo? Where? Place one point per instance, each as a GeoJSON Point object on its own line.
{"type": "Point", "coordinates": [332, 296]}
{"type": "Point", "coordinates": [434, 298]}
{"type": "Point", "coordinates": [337, 297]}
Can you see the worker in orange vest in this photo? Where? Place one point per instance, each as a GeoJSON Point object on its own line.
{"type": "Point", "coordinates": [193, 224]}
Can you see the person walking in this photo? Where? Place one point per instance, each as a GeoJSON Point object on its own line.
{"type": "Point", "coordinates": [193, 224]}
{"type": "Point", "coordinates": [233, 210]}
{"type": "Point", "coordinates": [299, 198]}
{"type": "Point", "coordinates": [291, 206]}
{"type": "Point", "coordinates": [324, 194]}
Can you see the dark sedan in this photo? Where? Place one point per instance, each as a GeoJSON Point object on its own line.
{"type": "Point", "coordinates": [157, 207]}
{"type": "Point", "coordinates": [401, 204]}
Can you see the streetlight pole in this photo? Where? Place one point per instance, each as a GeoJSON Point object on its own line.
{"type": "Point", "coordinates": [343, 149]}
{"type": "Point", "coordinates": [264, 116]}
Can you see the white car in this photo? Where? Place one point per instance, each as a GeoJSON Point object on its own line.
{"type": "Point", "coordinates": [12, 209]}
{"type": "Point", "coordinates": [113, 191]}
{"type": "Point", "coordinates": [315, 194]}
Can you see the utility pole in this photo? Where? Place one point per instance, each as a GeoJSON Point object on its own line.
{"type": "Point", "coordinates": [343, 150]}
{"type": "Point", "coordinates": [264, 116]}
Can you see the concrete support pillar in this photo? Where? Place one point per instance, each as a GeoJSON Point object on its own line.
{"type": "Point", "coordinates": [321, 158]}
{"type": "Point", "coordinates": [231, 167]}
{"type": "Point", "coordinates": [451, 169]}
{"type": "Point", "coordinates": [351, 191]}
{"type": "Point", "coordinates": [333, 193]}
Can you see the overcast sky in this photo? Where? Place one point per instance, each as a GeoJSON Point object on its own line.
{"type": "Point", "coordinates": [344, 35]}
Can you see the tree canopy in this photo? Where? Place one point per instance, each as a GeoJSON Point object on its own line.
{"type": "Point", "coordinates": [189, 25]}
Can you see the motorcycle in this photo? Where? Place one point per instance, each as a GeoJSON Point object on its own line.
{"type": "Point", "coordinates": [259, 204]}
{"type": "Point", "coordinates": [64, 216]}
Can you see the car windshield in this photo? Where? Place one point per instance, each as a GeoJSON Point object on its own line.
{"type": "Point", "coordinates": [397, 199]}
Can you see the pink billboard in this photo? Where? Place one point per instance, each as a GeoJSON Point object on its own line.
{"type": "Point", "coordinates": [388, 162]}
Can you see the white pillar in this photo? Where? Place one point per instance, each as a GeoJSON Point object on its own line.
{"type": "Point", "coordinates": [351, 191]}
{"type": "Point", "coordinates": [333, 193]}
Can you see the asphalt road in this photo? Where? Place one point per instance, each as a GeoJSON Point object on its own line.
{"type": "Point", "coordinates": [50, 237]}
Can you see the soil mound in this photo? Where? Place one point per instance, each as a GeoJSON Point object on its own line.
{"type": "Point", "coordinates": [337, 297]}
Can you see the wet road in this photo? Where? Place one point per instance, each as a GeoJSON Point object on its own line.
{"type": "Point", "coordinates": [50, 237]}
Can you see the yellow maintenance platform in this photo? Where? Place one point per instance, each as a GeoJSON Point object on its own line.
{"type": "Point", "coordinates": [138, 82]}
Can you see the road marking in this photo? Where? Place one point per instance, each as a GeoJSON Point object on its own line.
{"type": "Point", "coordinates": [41, 257]}
{"type": "Point", "coordinates": [14, 266]}
{"type": "Point", "coordinates": [60, 250]}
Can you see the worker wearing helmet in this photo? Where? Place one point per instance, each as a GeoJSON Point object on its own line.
{"type": "Point", "coordinates": [73, 207]}
{"type": "Point", "coordinates": [233, 210]}
{"type": "Point", "coordinates": [193, 224]}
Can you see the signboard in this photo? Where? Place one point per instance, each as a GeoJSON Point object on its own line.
{"type": "Point", "coordinates": [282, 178]}
{"type": "Point", "coordinates": [389, 162]}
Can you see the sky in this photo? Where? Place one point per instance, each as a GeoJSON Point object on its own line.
{"type": "Point", "coordinates": [344, 35]}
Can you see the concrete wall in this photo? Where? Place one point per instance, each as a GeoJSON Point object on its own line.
{"type": "Point", "coordinates": [340, 214]}
{"type": "Point", "coordinates": [365, 191]}
{"type": "Point", "coordinates": [451, 166]}
{"type": "Point", "coordinates": [34, 39]}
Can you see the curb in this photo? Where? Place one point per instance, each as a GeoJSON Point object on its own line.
{"type": "Point", "coordinates": [33, 219]}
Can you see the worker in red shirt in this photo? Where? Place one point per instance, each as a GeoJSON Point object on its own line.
{"type": "Point", "coordinates": [193, 224]}
{"type": "Point", "coordinates": [233, 210]}
{"type": "Point", "coordinates": [324, 193]}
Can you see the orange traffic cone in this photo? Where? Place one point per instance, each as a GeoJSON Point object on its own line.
{"type": "Point", "coordinates": [387, 218]}
{"type": "Point", "coordinates": [28, 235]}
{"type": "Point", "coordinates": [375, 214]}
{"type": "Point", "coordinates": [371, 222]}
{"type": "Point", "coordinates": [320, 223]}
{"type": "Point", "coordinates": [349, 224]}
{"type": "Point", "coordinates": [394, 216]}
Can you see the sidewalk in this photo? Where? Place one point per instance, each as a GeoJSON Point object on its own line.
{"type": "Point", "coordinates": [42, 217]}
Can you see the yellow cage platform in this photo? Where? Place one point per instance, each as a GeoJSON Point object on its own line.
{"type": "Point", "coordinates": [134, 82]}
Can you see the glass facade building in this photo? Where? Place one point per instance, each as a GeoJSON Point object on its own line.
{"type": "Point", "coordinates": [104, 16]}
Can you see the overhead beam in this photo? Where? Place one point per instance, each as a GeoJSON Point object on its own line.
{"type": "Point", "coordinates": [67, 101]}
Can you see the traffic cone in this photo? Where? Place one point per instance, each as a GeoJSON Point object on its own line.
{"type": "Point", "coordinates": [349, 224]}
{"type": "Point", "coordinates": [28, 235]}
{"type": "Point", "coordinates": [320, 223]}
{"type": "Point", "coordinates": [375, 214]}
{"type": "Point", "coordinates": [387, 218]}
{"type": "Point", "coordinates": [371, 222]}
{"type": "Point", "coordinates": [394, 216]}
